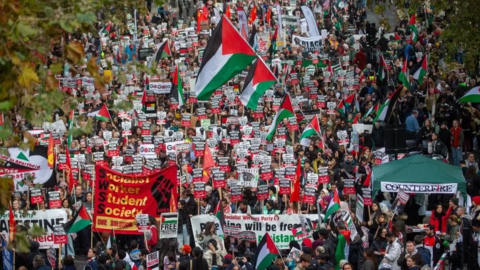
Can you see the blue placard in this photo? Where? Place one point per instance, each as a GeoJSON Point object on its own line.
{"type": "Point", "coordinates": [7, 257]}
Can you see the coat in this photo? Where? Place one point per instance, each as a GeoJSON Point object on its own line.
{"type": "Point", "coordinates": [392, 254]}
{"type": "Point", "coordinates": [435, 221]}
{"type": "Point", "coordinates": [208, 256]}
{"type": "Point", "coordinates": [367, 265]}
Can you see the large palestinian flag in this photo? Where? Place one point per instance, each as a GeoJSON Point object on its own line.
{"type": "Point", "coordinates": [266, 253]}
{"type": "Point", "coordinates": [285, 111]}
{"type": "Point", "coordinates": [473, 95]}
{"type": "Point", "coordinates": [259, 79]}
{"type": "Point", "coordinates": [177, 88]}
{"type": "Point", "coordinates": [227, 54]}
{"type": "Point", "coordinates": [162, 52]}
{"type": "Point", "coordinates": [101, 114]}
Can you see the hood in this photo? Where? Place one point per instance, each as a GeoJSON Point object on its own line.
{"type": "Point", "coordinates": [135, 255]}
{"type": "Point", "coordinates": [34, 246]}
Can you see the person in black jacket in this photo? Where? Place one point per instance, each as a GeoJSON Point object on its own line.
{"type": "Point", "coordinates": [438, 147]}
{"type": "Point", "coordinates": [34, 251]}
{"type": "Point", "coordinates": [378, 135]}
{"type": "Point", "coordinates": [184, 225]}
{"type": "Point", "coordinates": [444, 135]}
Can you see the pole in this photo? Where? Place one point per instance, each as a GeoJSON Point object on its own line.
{"type": "Point", "coordinates": [59, 252]}
{"type": "Point", "coordinates": [135, 21]}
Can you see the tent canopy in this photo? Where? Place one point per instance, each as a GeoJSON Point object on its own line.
{"type": "Point", "coordinates": [418, 174]}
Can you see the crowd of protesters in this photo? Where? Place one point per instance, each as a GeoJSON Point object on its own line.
{"type": "Point", "coordinates": [429, 109]}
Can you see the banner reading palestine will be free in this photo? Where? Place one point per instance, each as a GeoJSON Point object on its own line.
{"type": "Point", "coordinates": [119, 198]}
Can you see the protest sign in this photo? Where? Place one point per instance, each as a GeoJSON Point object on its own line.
{"type": "Point", "coordinates": [323, 177]}
{"type": "Point", "coordinates": [7, 256]}
{"type": "Point", "coordinates": [46, 219]}
{"type": "Point", "coordinates": [59, 235]}
{"type": "Point", "coordinates": [278, 226]}
{"type": "Point", "coordinates": [119, 198]}
{"type": "Point", "coordinates": [153, 261]}
{"type": "Point", "coordinates": [309, 195]}
{"type": "Point", "coordinates": [349, 186]}
{"type": "Point", "coordinates": [142, 222]}
{"type": "Point", "coordinates": [168, 225]}
{"type": "Point", "coordinates": [311, 43]}
{"type": "Point", "coordinates": [160, 87]}
{"type": "Point", "coordinates": [199, 190]}
{"type": "Point", "coordinates": [367, 196]}
{"type": "Point", "coordinates": [36, 196]}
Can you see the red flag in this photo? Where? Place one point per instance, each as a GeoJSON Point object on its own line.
{"type": "Point", "coordinates": [295, 197]}
{"type": "Point", "coordinates": [269, 16]}
{"type": "Point", "coordinates": [253, 15]}
{"type": "Point", "coordinates": [50, 152]}
{"type": "Point", "coordinates": [69, 173]}
{"type": "Point", "coordinates": [368, 179]}
{"type": "Point", "coordinates": [208, 163]}
{"type": "Point", "coordinates": [11, 226]}
{"type": "Point", "coordinates": [228, 13]}
{"type": "Point", "coordinates": [202, 15]}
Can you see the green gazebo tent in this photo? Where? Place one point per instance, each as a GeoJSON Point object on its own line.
{"type": "Point", "coordinates": [418, 174]}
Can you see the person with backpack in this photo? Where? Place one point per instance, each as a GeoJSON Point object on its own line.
{"type": "Point", "coordinates": [423, 251]}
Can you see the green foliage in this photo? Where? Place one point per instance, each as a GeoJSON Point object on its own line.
{"type": "Point", "coordinates": [461, 30]}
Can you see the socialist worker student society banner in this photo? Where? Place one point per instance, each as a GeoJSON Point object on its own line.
{"type": "Point", "coordinates": [119, 198]}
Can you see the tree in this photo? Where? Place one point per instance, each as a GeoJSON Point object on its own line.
{"type": "Point", "coordinates": [461, 29]}
{"type": "Point", "coordinates": [36, 42]}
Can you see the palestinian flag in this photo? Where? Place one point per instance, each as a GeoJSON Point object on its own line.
{"type": "Point", "coordinates": [105, 31]}
{"type": "Point", "coordinates": [266, 253]}
{"type": "Point", "coordinates": [386, 109]}
{"type": "Point", "coordinates": [253, 40]}
{"type": "Point", "coordinates": [112, 240]}
{"type": "Point", "coordinates": [372, 109]}
{"type": "Point", "coordinates": [259, 79]}
{"type": "Point", "coordinates": [177, 88]}
{"type": "Point", "coordinates": [220, 218]}
{"type": "Point", "coordinates": [473, 95]}
{"type": "Point", "coordinates": [285, 111]}
{"type": "Point", "coordinates": [382, 69]}
{"type": "Point", "coordinates": [397, 37]}
{"type": "Point", "coordinates": [340, 250]}
{"type": "Point", "coordinates": [79, 222]}
{"type": "Point", "coordinates": [226, 55]}
{"type": "Point", "coordinates": [311, 130]}
{"type": "Point", "coordinates": [273, 44]}
{"type": "Point", "coordinates": [348, 101]}
{"type": "Point", "coordinates": [403, 76]}
{"type": "Point", "coordinates": [102, 114]}
{"type": "Point", "coordinates": [162, 52]}
{"type": "Point", "coordinates": [333, 206]}
{"type": "Point", "coordinates": [420, 73]}
{"type": "Point", "coordinates": [412, 25]}
{"type": "Point", "coordinates": [341, 108]}
{"type": "Point", "coordinates": [297, 230]}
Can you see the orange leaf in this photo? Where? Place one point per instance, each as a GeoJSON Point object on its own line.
{"type": "Point", "coordinates": [75, 52]}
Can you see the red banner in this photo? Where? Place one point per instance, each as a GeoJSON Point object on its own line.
{"type": "Point", "coordinates": [119, 198]}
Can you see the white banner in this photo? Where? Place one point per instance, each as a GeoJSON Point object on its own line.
{"type": "Point", "coordinates": [312, 26]}
{"type": "Point", "coordinates": [279, 19]}
{"type": "Point", "coordinates": [47, 219]}
{"type": "Point", "coordinates": [278, 226]}
{"type": "Point", "coordinates": [290, 20]}
{"type": "Point", "coordinates": [160, 87]}
{"type": "Point", "coordinates": [311, 43]}
{"type": "Point", "coordinates": [419, 187]}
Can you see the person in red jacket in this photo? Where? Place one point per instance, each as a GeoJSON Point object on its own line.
{"type": "Point", "coordinates": [360, 59]}
{"type": "Point", "coordinates": [152, 234]}
{"type": "Point", "coordinates": [439, 218]}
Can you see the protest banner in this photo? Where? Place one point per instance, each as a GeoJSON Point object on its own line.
{"type": "Point", "coordinates": [46, 219]}
{"type": "Point", "coordinates": [153, 260]}
{"type": "Point", "coordinates": [311, 44]}
{"type": "Point", "coordinates": [168, 225]}
{"type": "Point", "coordinates": [278, 226]}
{"type": "Point", "coordinates": [119, 197]}
{"type": "Point", "coordinates": [160, 87]}
{"type": "Point", "coordinates": [290, 20]}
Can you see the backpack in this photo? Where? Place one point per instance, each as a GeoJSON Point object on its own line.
{"type": "Point", "coordinates": [425, 253]}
